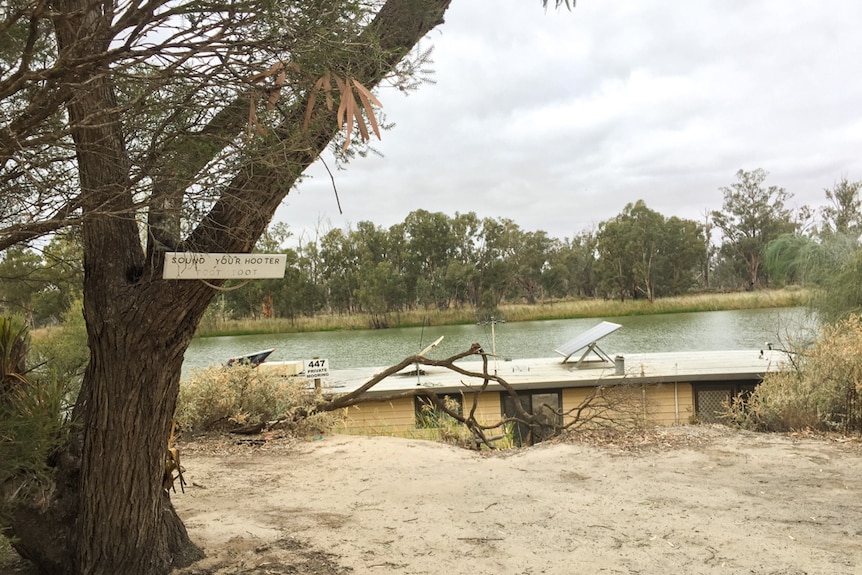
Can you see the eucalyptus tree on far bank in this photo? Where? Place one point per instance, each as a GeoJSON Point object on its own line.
{"type": "Point", "coordinates": [752, 215]}
{"type": "Point", "coordinates": [641, 253]}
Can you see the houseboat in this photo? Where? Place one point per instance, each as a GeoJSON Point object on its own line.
{"type": "Point", "coordinates": [660, 388]}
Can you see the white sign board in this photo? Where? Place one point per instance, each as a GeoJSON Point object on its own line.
{"type": "Point", "coordinates": [316, 368]}
{"type": "Point", "coordinates": [193, 266]}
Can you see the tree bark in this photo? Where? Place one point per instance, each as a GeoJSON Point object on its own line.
{"type": "Point", "coordinates": [108, 512]}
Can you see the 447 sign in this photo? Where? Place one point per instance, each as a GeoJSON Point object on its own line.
{"type": "Point", "coordinates": [316, 368]}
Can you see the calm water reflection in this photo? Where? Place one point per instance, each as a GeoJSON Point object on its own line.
{"type": "Point", "coordinates": [719, 330]}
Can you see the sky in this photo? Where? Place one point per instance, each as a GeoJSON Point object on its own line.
{"type": "Point", "coordinates": [557, 119]}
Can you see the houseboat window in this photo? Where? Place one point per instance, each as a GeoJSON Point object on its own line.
{"type": "Point", "coordinates": [711, 400]}
{"type": "Point", "coordinates": [546, 405]}
{"type": "Point", "coordinates": [711, 403]}
{"type": "Point", "coordinates": [429, 415]}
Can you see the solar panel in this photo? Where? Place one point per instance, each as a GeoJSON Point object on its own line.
{"type": "Point", "coordinates": [587, 341]}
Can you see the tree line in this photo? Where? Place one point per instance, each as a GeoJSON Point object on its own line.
{"type": "Point", "coordinates": [435, 261]}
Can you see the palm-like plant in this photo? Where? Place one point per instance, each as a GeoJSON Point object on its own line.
{"type": "Point", "coordinates": [14, 346]}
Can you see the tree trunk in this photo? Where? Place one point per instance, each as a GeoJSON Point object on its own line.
{"type": "Point", "coordinates": [753, 268]}
{"type": "Point", "coordinates": [133, 382]}
{"type": "Point", "coordinates": [108, 513]}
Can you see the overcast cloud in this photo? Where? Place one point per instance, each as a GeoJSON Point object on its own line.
{"type": "Point", "coordinates": [558, 119]}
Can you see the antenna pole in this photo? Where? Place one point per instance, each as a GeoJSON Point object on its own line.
{"type": "Point", "coordinates": [494, 344]}
{"type": "Point", "coordinates": [493, 322]}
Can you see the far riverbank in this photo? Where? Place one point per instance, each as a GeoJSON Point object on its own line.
{"type": "Point", "coordinates": [568, 309]}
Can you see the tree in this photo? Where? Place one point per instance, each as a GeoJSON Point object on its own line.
{"type": "Point", "coordinates": [830, 260]}
{"type": "Point", "coordinates": [844, 215]}
{"type": "Point", "coordinates": [41, 284]}
{"type": "Point", "coordinates": [784, 258]}
{"type": "Point", "coordinates": [63, 274]}
{"type": "Point", "coordinates": [531, 263]}
{"type": "Point", "coordinates": [461, 271]}
{"type": "Point", "coordinates": [683, 251]}
{"type": "Point", "coordinates": [752, 215]}
{"type": "Point", "coordinates": [380, 281]}
{"type": "Point", "coordinates": [615, 263]}
{"type": "Point", "coordinates": [160, 126]}
{"type": "Point", "coordinates": [429, 240]}
{"type": "Point", "coordinates": [645, 241]}
{"type": "Point", "coordinates": [708, 250]}
{"type": "Point", "coordinates": [642, 252]}
{"type": "Point", "coordinates": [19, 272]}
{"type": "Point", "coordinates": [495, 266]}
{"type": "Point", "coordinates": [571, 264]}
{"type": "Point", "coordinates": [340, 270]}
{"type": "Point", "coordinates": [297, 294]}
{"type": "Point", "coordinates": [380, 289]}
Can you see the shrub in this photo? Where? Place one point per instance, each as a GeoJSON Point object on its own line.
{"type": "Point", "coordinates": [223, 398]}
{"type": "Point", "coordinates": [62, 351]}
{"type": "Point", "coordinates": [822, 392]}
{"type": "Point", "coordinates": [31, 423]}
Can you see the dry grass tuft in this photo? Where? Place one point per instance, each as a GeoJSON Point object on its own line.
{"type": "Point", "coordinates": [822, 393]}
{"type": "Point", "coordinates": [228, 398]}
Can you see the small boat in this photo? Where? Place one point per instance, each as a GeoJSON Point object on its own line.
{"type": "Point", "coordinates": [254, 359]}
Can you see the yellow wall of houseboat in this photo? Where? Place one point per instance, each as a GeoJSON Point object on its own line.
{"type": "Point", "coordinates": [397, 417]}
{"type": "Point", "coordinates": [380, 417]}
{"type": "Point", "coordinates": [662, 404]}
{"type": "Point", "coordinates": [670, 404]}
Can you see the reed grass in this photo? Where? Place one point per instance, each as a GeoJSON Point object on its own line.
{"type": "Point", "coordinates": [562, 309]}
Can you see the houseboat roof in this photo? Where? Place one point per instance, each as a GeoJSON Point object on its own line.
{"type": "Point", "coordinates": [540, 373]}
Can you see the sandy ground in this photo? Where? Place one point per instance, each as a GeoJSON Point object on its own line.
{"type": "Point", "coordinates": [690, 500]}
{"type": "Point", "coordinates": [685, 500]}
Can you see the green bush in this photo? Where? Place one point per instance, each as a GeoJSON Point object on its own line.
{"type": "Point", "coordinates": [822, 392]}
{"type": "Point", "coordinates": [62, 353]}
{"type": "Point", "coordinates": [31, 422]}
{"type": "Point", "coordinates": [224, 398]}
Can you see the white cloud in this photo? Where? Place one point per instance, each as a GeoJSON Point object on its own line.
{"type": "Point", "coordinates": [557, 120]}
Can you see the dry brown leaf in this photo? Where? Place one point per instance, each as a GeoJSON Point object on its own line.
{"type": "Point", "coordinates": [279, 70]}
{"type": "Point", "coordinates": [367, 99]}
{"type": "Point", "coordinates": [342, 106]}
{"type": "Point", "coordinates": [360, 123]}
{"type": "Point", "coordinates": [309, 109]}
{"type": "Point", "coordinates": [364, 91]}
{"type": "Point", "coordinates": [274, 95]}
{"type": "Point", "coordinates": [323, 83]}
{"type": "Point", "coordinates": [349, 111]}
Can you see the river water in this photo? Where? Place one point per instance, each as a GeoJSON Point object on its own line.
{"type": "Point", "coordinates": [701, 331]}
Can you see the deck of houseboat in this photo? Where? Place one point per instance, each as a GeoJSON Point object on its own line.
{"type": "Point", "coordinates": [642, 369]}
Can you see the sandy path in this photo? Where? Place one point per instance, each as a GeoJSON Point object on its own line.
{"type": "Point", "coordinates": [727, 502]}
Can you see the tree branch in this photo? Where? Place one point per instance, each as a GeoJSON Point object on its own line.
{"type": "Point", "coordinates": [242, 212]}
